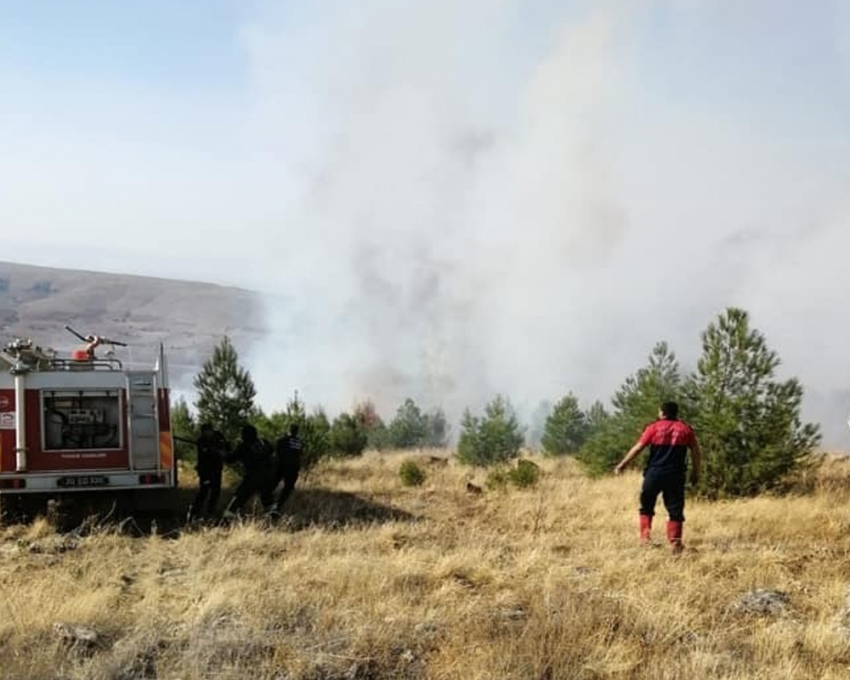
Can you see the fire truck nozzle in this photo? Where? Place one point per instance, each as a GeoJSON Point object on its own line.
{"type": "Point", "coordinates": [96, 339]}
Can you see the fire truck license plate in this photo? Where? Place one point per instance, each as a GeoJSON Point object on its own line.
{"type": "Point", "coordinates": [84, 480]}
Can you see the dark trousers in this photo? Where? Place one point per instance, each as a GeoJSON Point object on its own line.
{"type": "Point", "coordinates": [672, 487]}
{"type": "Point", "coordinates": [252, 483]}
{"type": "Point", "coordinates": [209, 490]}
{"type": "Point", "coordinates": [289, 477]}
{"type": "Point", "coordinates": [288, 474]}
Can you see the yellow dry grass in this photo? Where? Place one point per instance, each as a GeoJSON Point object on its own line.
{"type": "Point", "coordinates": [368, 579]}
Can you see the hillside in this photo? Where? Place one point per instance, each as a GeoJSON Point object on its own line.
{"type": "Point", "coordinates": [367, 579]}
{"type": "Point", "coordinates": [187, 317]}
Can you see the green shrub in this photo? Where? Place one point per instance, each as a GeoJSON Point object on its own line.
{"type": "Point", "coordinates": [525, 474]}
{"type": "Point", "coordinates": [411, 474]}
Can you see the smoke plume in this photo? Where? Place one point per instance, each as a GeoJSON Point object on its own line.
{"type": "Point", "coordinates": [510, 197]}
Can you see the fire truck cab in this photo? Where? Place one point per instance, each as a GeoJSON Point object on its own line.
{"type": "Point", "coordinates": [82, 423]}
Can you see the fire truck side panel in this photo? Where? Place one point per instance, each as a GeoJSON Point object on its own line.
{"type": "Point", "coordinates": [88, 442]}
{"type": "Point", "coordinates": [7, 450]}
{"type": "Point", "coordinates": [7, 429]}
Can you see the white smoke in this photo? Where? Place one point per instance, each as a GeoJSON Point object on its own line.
{"type": "Point", "coordinates": [484, 209]}
{"type": "Point", "coordinates": [446, 213]}
{"type": "Point", "coordinates": [446, 200]}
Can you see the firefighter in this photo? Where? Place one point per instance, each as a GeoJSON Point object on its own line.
{"type": "Point", "coordinates": [257, 460]}
{"type": "Point", "coordinates": [288, 465]}
{"type": "Point", "coordinates": [668, 439]}
{"type": "Point", "coordinates": [212, 447]}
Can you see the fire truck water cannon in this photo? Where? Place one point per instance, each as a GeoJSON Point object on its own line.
{"type": "Point", "coordinates": [92, 342]}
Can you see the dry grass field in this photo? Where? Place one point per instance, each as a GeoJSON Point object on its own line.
{"type": "Point", "coordinates": [365, 578]}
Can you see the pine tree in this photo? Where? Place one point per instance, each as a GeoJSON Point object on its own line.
{"type": "Point", "coordinates": [183, 425]}
{"type": "Point", "coordinates": [271, 426]}
{"type": "Point", "coordinates": [225, 391]}
{"type": "Point", "coordinates": [659, 381]}
{"type": "Point", "coordinates": [347, 437]}
{"type": "Point", "coordinates": [409, 428]}
{"type": "Point", "coordinates": [748, 424]}
{"type": "Point", "coordinates": [377, 433]}
{"type": "Point", "coordinates": [316, 435]}
{"type": "Point", "coordinates": [596, 417]}
{"type": "Point", "coordinates": [635, 406]}
{"type": "Point", "coordinates": [314, 429]}
{"type": "Point", "coordinates": [566, 428]}
{"type": "Point", "coordinates": [494, 438]}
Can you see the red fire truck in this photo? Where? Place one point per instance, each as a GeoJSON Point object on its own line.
{"type": "Point", "coordinates": [83, 422]}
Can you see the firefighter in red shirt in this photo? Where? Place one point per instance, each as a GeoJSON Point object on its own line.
{"type": "Point", "coordinates": [668, 439]}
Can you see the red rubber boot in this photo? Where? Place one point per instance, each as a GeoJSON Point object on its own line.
{"type": "Point", "coordinates": [645, 529]}
{"type": "Point", "coordinates": [674, 536]}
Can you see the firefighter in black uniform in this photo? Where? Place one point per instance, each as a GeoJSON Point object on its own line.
{"type": "Point", "coordinates": [212, 450]}
{"type": "Point", "coordinates": [257, 460]}
{"type": "Point", "coordinates": [288, 465]}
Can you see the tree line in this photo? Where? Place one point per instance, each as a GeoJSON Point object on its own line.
{"type": "Point", "coordinates": [748, 421]}
{"type": "Point", "coordinates": [225, 397]}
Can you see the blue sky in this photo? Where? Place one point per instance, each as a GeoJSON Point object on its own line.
{"type": "Point", "coordinates": [428, 173]}
{"type": "Point", "coordinates": [160, 44]}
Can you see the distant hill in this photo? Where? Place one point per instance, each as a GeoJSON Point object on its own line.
{"type": "Point", "coordinates": [189, 318]}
